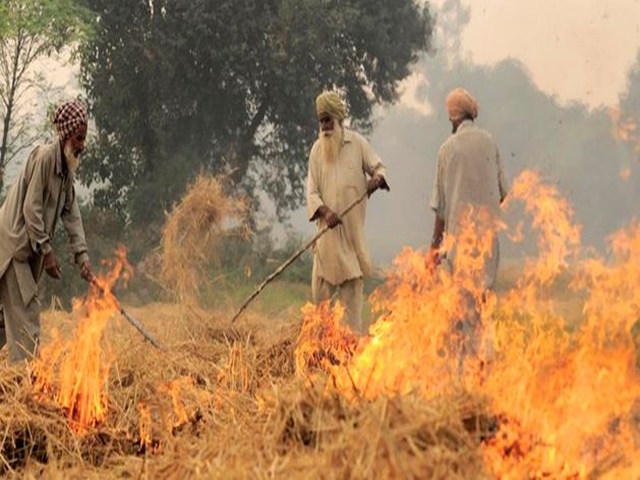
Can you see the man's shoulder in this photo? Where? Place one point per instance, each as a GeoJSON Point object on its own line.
{"type": "Point", "coordinates": [485, 133]}
{"type": "Point", "coordinates": [484, 139]}
{"type": "Point", "coordinates": [44, 158]}
{"type": "Point", "coordinates": [448, 143]}
{"type": "Point", "coordinates": [44, 152]}
{"type": "Point", "coordinates": [353, 136]}
{"type": "Point", "coordinates": [476, 131]}
{"type": "Point", "coordinates": [314, 148]}
{"type": "Point", "coordinates": [472, 133]}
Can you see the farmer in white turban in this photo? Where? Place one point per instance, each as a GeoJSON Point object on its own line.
{"type": "Point", "coordinates": [470, 175]}
{"type": "Point", "coordinates": [342, 168]}
{"type": "Point", "coordinates": [42, 193]}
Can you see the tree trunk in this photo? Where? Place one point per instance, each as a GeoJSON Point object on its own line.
{"type": "Point", "coordinates": [241, 152]}
{"type": "Point", "coordinates": [6, 124]}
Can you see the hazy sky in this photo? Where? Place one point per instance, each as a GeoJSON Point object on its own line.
{"type": "Point", "coordinates": [574, 49]}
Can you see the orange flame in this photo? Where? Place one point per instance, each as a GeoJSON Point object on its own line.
{"type": "Point", "coordinates": [176, 389]}
{"type": "Point", "coordinates": [146, 440]}
{"type": "Point", "coordinates": [566, 395]}
{"type": "Point", "coordinates": [322, 341]}
{"type": "Point", "coordinates": [75, 372]}
{"type": "Point", "coordinates": [180, 404]}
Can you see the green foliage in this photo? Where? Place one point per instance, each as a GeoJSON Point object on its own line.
{"type": "Point", "coordinates": [49, 24]}
{"type": "Point", "coordinates": [31, 30]}
{"type": "Point", "coordinates": [242, 264]}
{"type": "Point", "coordinates": [104, 232]}
{"type": "Point", "coordinates": [630, 108]}
{"type": "Point", "coordinates": [179, 85]}
{"type": "Point", "coordinates": [251, 261]}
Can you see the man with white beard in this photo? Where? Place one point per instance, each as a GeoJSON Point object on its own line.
{"type": "Point", "coordinates": [342, 168]}
{"type": "Point", "coordinates": [42, 193]}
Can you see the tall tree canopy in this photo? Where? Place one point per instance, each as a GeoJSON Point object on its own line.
{"type": "Point", "coordinates": [29, 31]}
{"type": "Point", "coordinates": [180, 85]}
{"type": "Point", "coordinates": [630, 111]}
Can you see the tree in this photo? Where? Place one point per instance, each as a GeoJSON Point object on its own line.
{"type": "Point", "coordinates": [626, 125]}
{"type": "Point", "coordinates": [176, 86]}
{"type": "Point", "coordinates": [29, 31]}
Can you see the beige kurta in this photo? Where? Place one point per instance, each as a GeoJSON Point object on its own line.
{"type": "Point", "coordinates": [470, 172]}
{"type": "Point", "coordinates": [41, 194]}
{"type": "Point", "coordinates": [342, 253]}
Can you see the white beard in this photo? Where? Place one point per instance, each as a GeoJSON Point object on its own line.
{"type": "Point", "coordinates": [330, 144]}
{"type": "Point", "coordinates": [73, 161]}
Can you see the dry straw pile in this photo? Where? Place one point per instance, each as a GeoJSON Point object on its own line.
{"type": "Point", "coordinates": [225, 402]}
{"type": "Point", "coordinates": [192, 232]}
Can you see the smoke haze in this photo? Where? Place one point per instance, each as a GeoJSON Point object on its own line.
{"type": "Point", "coordinates": [572, 143]}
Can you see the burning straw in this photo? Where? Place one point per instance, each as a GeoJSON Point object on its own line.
{"type": "Point", "coordinates": [192, 232]}
{"type": "Point", "coordinates": [565, 399]}
{"type": "Point", "coordinates": [270, 399]}
{"type": "Point", "coordinates": [225, 401]}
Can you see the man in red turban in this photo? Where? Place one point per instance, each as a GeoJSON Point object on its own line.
{"type": "Point", "coordinates": [42, 193]}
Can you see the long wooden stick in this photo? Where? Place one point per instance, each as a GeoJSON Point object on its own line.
{"type": "Point", "coordinates": [293, 258]}
{"type": "Point", "coordinates": [133, 321]}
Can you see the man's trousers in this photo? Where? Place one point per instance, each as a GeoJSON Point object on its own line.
{"type": "Point", "coordinates": [351, 296]}
{"type": "Point", "coordinates": [19, 323]}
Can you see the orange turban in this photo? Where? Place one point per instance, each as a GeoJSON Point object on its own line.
{"type": "Point", "coordinates": [460, 104]}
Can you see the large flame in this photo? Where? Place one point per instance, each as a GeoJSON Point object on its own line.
{"type": "Point", "coordinates": [566, 393]}
{"type": "Point", "coordinates": [74, 372]}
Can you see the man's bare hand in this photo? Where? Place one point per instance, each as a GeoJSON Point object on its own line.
{"type": "Point", "coordinates": [374, 184]}
{"type": "Point", "coordinates": [51, 265]}
{"type": "Point", "coordinates": [85, 271]}
{"type": "Point", "coordinates": [331, 218]}
{"type": "Point", "coordinates": [433, 259]}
